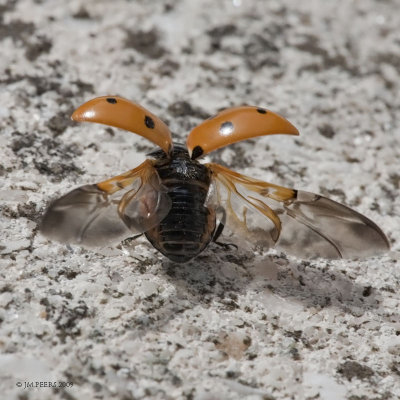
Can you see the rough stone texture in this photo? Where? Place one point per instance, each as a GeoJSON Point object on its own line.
{"type": "Point", "coordinates": [124, 323]}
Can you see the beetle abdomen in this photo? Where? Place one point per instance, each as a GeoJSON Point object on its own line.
{"type": "Point", "coordinates": [188, 227]}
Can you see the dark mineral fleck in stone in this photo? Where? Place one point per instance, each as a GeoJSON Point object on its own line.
{"type": "Point", "coordinates": [352, 369]}
{"type": "Point", "coordinates": [180, 109]}
{"type": "Point", "coordinates": [147, 43]}
{"type": "Point", "coordinates": [327, 131]}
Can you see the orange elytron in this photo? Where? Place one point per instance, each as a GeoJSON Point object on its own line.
{"type": "Point", "coordinates": [181, 205]}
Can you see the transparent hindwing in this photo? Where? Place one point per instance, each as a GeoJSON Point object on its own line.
{"type": "Point", "coordinates": [299, 223]}
{"type": "Point", "coordinates": [107, 212]}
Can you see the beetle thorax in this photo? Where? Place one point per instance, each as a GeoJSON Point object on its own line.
{"type": "Point", "coordinates": [179, 166]}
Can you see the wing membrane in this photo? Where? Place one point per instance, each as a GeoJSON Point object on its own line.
{"type": "Point", "coordinates": [337, 231]}
{"type": "Point", "coordinates": [107, 212]}
{"type": "Point", "coordinates": [300, 223]}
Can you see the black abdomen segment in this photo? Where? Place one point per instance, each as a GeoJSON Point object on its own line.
{"type": "Point", "coordinates": [188, 227]}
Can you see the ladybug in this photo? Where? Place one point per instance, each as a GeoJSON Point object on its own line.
{"type": "Point", "coordinates": [182, 205]}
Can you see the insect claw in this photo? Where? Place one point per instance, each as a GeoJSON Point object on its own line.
{"type": "Point", "coordinates": [227, 245]}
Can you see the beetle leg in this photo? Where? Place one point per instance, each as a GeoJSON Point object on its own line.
{"type": "Point", "coordinates": [219, 230]}
{"type": "Point", "coordinates": [127, 241]}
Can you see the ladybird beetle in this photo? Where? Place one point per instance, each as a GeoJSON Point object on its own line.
{"type": "Point", "coordinates": [181, 205]}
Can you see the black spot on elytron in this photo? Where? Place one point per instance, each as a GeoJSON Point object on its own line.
{"type": "Point", "coordinates": [261, 111]}
{"type": "Point", "coordinates": [226, 128]}
{"type": "Point", "coordinates": [197, 152]}
{"type": "Point", "coordinates": [149, 122]}
{"type": "Point", "coordinates": [111, 100]}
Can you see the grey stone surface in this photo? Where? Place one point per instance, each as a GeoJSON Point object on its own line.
{"type": "Point", "coordinates": [124, 323]}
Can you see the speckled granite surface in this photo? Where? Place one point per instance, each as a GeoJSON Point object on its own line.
{"type": "Point", "coordinates": [127, 324]}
